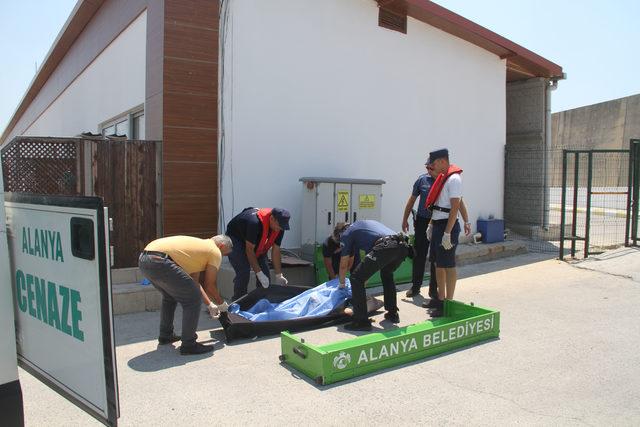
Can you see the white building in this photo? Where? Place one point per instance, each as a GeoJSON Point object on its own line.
{"type": "Point", "coordinates": [250, 95]}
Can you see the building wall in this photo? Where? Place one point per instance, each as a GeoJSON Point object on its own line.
{"type": "Point", "coordinates": [317, 88]}
{"type": "Point", "coordinates": [608, 124]}
{"type": "Point", "coordinates": [112, 84]}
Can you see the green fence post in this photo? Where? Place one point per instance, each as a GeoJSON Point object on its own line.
{"type": "Point", "coordinates": [636, 190]}
{"type": "Point", "coordinates": [587, 226]}
{"type": "Point", "coordinates": [629, 184]}
{"type": "Point", "coordinates": [563, 208]}
{"type": "Point", "coordinates": [574, 216]}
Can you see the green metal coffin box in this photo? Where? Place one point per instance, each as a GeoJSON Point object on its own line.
{"type": "Point", "coordinates": [461, 326]}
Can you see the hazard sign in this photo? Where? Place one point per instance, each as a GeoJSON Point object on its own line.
{"type": "Point", "coordinates": [343, 201]}
{"type": "Point", "coordinates": [367, 201]}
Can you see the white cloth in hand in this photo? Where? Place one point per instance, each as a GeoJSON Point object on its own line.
{"type": "Point", "coordinates": [342, 285]}
{"type": "Point", "coordinates": [446, 241]}
{"type": "Point", "coordinates": [281, 280]}
{"type": "Point", "coordinates": [224, 307]}
{"type": "Point", "coordinates": [429, 231]}
{"type": "Point", "coordinates": [263, 279]}
{"type": "Point", "coordinates": [213, 310]}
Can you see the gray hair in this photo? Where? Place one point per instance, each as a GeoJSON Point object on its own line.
{"type": "Point", "coordinates": [223, 240]}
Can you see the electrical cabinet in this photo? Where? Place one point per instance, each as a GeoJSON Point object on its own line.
{"type": "Point", "coordinates": [329, 201]}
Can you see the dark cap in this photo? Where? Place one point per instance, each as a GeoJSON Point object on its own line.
{"type": "Point", "coordinates": [282, 216]}
{"type": "Point", "coordinates": [443, 153]}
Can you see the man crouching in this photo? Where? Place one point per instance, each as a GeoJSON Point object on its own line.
{"type": "Point", "coordinates": [173, 266]}
{"type": "Point", "coordinates": [385, 251]}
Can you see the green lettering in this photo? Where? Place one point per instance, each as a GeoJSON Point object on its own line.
{"type": "Point", "coordinates": [64, 324]}
{"type": "Point", "coordinates": [59, 256]}
{"type": "Point", "coordinates": [29, 239]}
{"type": "Point", "coordinates": [20, 286]}
{"type": "Point", "coordinates": [25, 244]}
{"type": "Point", "coordinates": [36, 243]}
{"type": "Point", "coordinates": [43, 242]}
{"type": "Point", "coordinates": [52, 302]}
{"type": "Point", "coordinates": [76, 315]}
{"type": "Point", "coordinates": [30, 295]}
{"type": "Point", "coordinates": [52, 243]}
{"type": "Point", "coordinates": [41, 299]}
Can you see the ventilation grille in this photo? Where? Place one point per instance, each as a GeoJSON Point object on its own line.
{"type": "Point", "coordinates": [392, 20]}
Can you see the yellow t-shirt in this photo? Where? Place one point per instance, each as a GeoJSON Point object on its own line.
{"type": "Point", "coordinates": [190, 253]}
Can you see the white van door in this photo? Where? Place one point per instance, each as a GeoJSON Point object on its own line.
{"type": "Point", "coordinates": [61, 281]}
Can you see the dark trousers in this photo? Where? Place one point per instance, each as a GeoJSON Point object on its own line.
{"type": "Point", "coordinates": [240, 263]}
{"type": "Point", "coordinates": [387, 258]}
{"type": "Point", "coordinates": [176, 286]}
{"type": "Point", "coordinates": [421, 247]}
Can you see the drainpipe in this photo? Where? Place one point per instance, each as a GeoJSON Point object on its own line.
{"type": "Point", "coordinates": [551, 86]}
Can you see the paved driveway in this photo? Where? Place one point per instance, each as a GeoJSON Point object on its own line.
{"type": "Point", "coordinates": [569, 354]}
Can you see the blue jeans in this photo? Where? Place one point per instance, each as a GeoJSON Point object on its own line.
{"type": "Point", "coordinates": [240, 263]}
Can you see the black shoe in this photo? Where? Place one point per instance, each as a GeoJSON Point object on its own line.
{"type": "Point", "coordinates": [432, 303]}
{"type": "Point", "coordinates": [358, 325]}
{"type": "Point", "coordinates": [392, 316]}
{"type": "Point", "coordinates": [196, 348]}
{"type": "Point", "coordinates": [437, 312]}
{"type": "Point", "coordinates": [168, 340]}
{"type": "Point", "coordinates": [412, 292]}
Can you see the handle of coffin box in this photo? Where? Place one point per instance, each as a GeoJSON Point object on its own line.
{"type": "Point", "coordinates": [299, 352]}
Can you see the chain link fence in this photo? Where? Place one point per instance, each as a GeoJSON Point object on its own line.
{"type": "Point", "coordinates": [533, 198]}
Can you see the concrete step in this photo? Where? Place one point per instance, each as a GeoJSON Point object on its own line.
{"type": "Point", "coordinates": [129, 296]}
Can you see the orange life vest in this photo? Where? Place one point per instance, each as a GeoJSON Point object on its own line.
{"type": "Point", "coordinates": [268, 237]}
{"type": "Point", "coordinates": [437, 186]}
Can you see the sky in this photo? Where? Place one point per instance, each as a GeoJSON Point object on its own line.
{"type": "Point", "coordinates": [596, 42]}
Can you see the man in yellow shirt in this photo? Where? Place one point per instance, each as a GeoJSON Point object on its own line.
{"type": "Point", "coordinates": [173, 265]}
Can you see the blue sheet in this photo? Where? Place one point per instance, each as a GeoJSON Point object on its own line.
{"type": "Point", "coordinates": [318, 301]}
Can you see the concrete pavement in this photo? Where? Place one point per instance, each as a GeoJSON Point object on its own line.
{"type": "Point", "coordinates": [567, 355]}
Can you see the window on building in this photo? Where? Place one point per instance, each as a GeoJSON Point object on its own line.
{"type": "Point", "coordinates": [129, 124]}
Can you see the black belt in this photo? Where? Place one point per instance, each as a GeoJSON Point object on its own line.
{"type": "Point", "coordinates": [398, 238]}
{"type": "Point", "coordinates": [441, 209]}
{"type": "Point", "coordinates": [158, 254]}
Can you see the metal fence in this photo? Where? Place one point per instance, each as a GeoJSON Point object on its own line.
{"type": "Point", "coordinates": [124, 173]}
{"type": "Point", "coordinates": [533, 199]}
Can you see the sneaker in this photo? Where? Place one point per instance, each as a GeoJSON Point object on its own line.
{"type": "Point", "coordinates": [432, 303]}
{"type": "Point", "coordinates": [168, 340]}
{"type": "Point", "coordinates": [412, 292]}
{"type": "Point", "coordinates": [358, 325]}
{"type": "Point", "coordinates": [196, 348]}
{"type": "Point", "coordinates": [392, 316]}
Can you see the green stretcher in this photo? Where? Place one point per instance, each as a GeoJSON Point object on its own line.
{"type": "Point", "coordinates": [461, 326]}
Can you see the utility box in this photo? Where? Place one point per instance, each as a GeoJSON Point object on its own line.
{"type": "Point", "coordinates": [329, 201]}
{"type": "Point", "coordinates": [492, 230]}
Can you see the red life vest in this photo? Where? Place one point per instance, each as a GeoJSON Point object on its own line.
{"type": "Point", "coordinates": [438, 185]}
{"type": "Point", "coordinates": [268, 237]}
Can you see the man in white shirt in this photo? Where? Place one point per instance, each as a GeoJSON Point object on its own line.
{"type": "Point", "coordinates": [444, 228]}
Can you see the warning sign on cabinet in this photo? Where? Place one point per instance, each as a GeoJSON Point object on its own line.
{"type": "Point", "coordinates": [367, 201]}
{"type": "Point", "coordinates": [343, 201]}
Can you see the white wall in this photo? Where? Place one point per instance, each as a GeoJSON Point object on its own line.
{"type": "Point", "coordinates": [316, 88]}
{"type": "Point", "coordinates": [112, 84]}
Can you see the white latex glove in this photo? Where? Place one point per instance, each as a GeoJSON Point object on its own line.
{"type": "Point", "coordinates": [213, 310]}
{"type": "Point", "coordinates": [224, 307]}
{"type": "Point", "coordinates": [281, 280]}
{"type": "Point", "coordinates": [429, 231]}
{"type": "Point", "coordinates": [263, 279]}
{"type": "Point", "coordinates": [446, 241]}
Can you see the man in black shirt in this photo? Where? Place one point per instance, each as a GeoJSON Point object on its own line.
{"type": "Point", "coordinates": [253, 232]}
